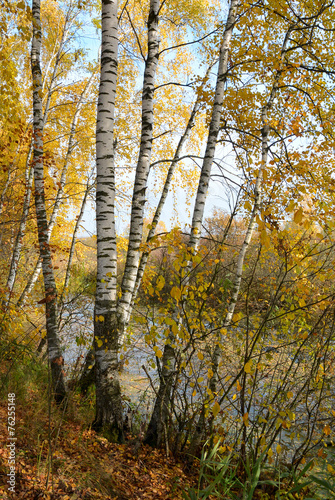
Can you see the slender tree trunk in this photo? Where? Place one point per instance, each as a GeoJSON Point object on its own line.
{"type": "Point", "coordinates": [19, 238]}
{"type": "Point", "coordinates": [54, 349]}
{"type": "Point", "coordinates": [73, 242]}
{"type": "Point", "coordinates": [18, 243]}
{"type": "Point", "coordinates": [71, 145]}
{"type": "Point", "coordinates": [156, 432]}
{"type": "Point", "coordinates": [31, 282]}
{"type": "Point", "coordinates": [156, 218]}
{"type": "Point", "coordinates": [154, 435]}
{"type": "Point", "coordinates": [109, 414]}
{"type": "Point", "coordinates": [142, 170]}
{"type": "Point", "coordinates": [217, 354]}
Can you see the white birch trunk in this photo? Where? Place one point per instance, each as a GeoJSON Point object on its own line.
{"type": "Point", "coordinates": [154, 435]}
{"type": "Point", "coordinates": [19, 238]}
{"type": "Point", "coordinates": [71, 144]}
{"type": "Point", "coordinates": [142, 169]}
{"type": "Point", "coordinates": [54, 349]}
{"type": "Point", "coordinates": [109, 417]}
{"type": "Point", "coordinates": [217, 354]}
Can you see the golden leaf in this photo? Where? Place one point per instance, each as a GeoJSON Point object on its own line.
{"type": "Point", "coordinates": [247, 367]}
{"type": "Point", "coordinates": [216, 409]}
{"type": "Point", "coordinates": [298, 216]}
{"type": "Point", "coordinates": [175, 293]}
{"type": "Point", "coordinates": [159, 353]}
{"type": "Point", "coordinates": [327, 430]}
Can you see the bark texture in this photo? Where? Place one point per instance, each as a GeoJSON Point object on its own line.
{"type": "Point", "coordinates": [54, 349]}
{"type": "Point", "coordinates": [154, 434]}
{"type": "Point", "coordinates": [109, 418]}
{"type": "Point", "coordinates": [157, 429]}
{"type": "Point", "coordinates": [217, 354]}
{"type": "Point", "coordinates": [142, 168]}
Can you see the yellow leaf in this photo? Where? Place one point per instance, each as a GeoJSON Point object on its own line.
{"type": "Point", "coordinates": [159, 353]}
{"type": "Point", "coordinates": [234, 397]}
{"type": "Point", "coordinates": [175, 293]}
{"type": "Point", "coordinates": [160, 283]}
{"type": "Point", "coordinates": [200, 356]}
{"type": "Point", "coordinates": [210, 373]}
{"type": "Point", "coordinates": [327, 430]}
{"type": "Point", "coordinates": [289, 394]}
{"type": "Point", "coordinates": [194, 393]}
{"type": "Point", "coordinates": [246, 419]}
{"type": "Point", "coordinates": [43, 334]}
{"type": "Point", "coordinates": [238, 385]}
{"type": "Point", "coordinates": [265, 240]}
{"type": "Point", "coordinates": [216, 409]}
{"type": "Point", "coordinates": [270, 453]}
{"type": "Point", "coordinates": [278, 448]}
{"type": "Point", "coordinates": [298, 216]}
{"type": "Point", "coordinates": [247, 367]}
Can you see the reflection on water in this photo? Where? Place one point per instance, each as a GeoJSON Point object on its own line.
{"type": "Point", "coordinates": [77, 336]}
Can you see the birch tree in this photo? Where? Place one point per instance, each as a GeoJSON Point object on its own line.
{"type": "Point", "coordinates": [108, 396]}
{"type": "Point", "coordinates": [113, 311]}
{"type": "Point", "coordinates": [158, 422]}
{"type": "Point", "coordinates": [50, 300]}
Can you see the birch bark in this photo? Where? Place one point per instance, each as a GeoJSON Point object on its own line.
{"type": "Point", "coordinates": [108, 418]}
{"type": "Point", "coordinates": [58, 200]}
{"type": "Point", "coordinates": [54, 349]}
{"type": "Point", "coordinates": [154, 435]}
{"type": "Point", "coordinates": [19, 238]}
{"type": "Point", "coordinates": [142, 169]}
{"type": "Point", "coordinates": [217, 353]}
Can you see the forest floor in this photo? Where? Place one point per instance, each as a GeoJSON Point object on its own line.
{"type": "Point", "coordinates": [83, 465]}
{"type": "Point", "coordinates": [58, 456]}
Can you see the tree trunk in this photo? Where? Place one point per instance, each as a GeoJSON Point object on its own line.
{"type": "Point", "coordinates": [156, 422]}
{"type": "Point", "coordinates": [50, 300]}
{"type": "Point", "coordinates": [157, 429]}
{"type": "Point", "coordinates": [142, 169]}
{"type": "Point", "coordinates": [58, 200]}
{"type": "Point", "coordinates": [19, 238]}
{"type": "Point", "coordinates": [108, 418]}
{"type": "Point", "coordinates": [217, 353]}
